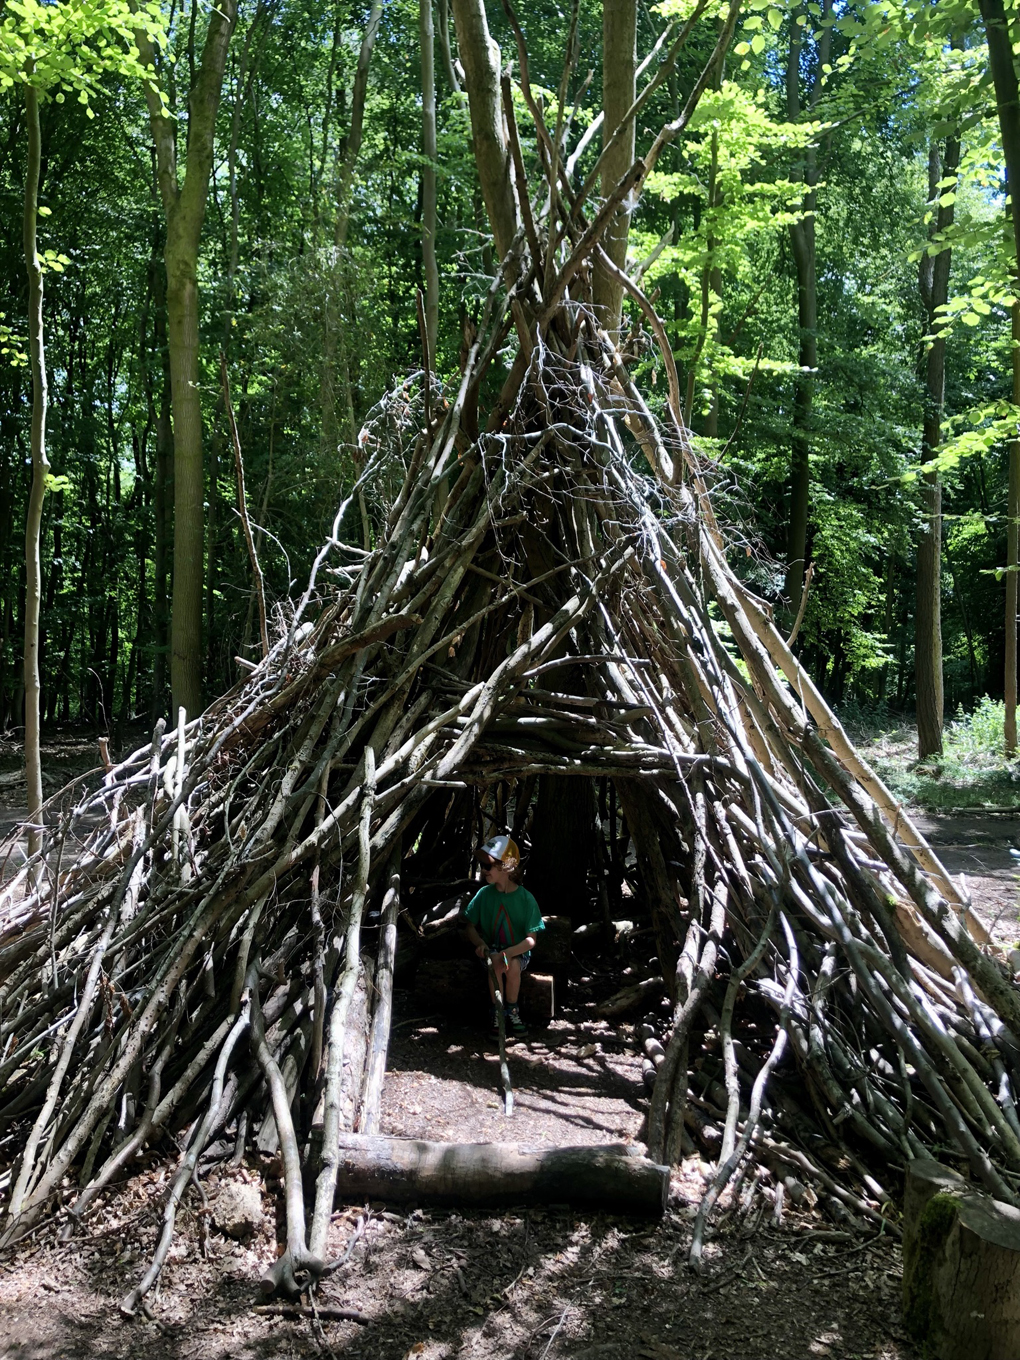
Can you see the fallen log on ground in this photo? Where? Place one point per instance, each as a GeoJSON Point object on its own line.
{"type": "Point", "coordinates": [615, 1178]}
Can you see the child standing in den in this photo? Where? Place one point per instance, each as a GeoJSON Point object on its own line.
{"type": "Point", "coordinates": [503, 922]}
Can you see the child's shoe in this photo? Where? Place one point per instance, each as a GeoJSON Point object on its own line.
{"type": "Point", "coordinates": [514, 1023]}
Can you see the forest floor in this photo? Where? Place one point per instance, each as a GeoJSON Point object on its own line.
{"type": "Point", "coordinates": [548, 1284]}
{"type": "Point", "coordinates": [527, 1284]}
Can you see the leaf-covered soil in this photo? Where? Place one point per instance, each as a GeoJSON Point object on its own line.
{"type": "Point", "coordinates": [539, 1284]}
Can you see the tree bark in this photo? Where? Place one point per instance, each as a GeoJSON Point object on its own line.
{"type": "Point", "coordinates": [428, 174]}
{"type": "Point", "coordinates": [928, 617]}
{"type": "Point", "coordinates": [40, 471]}
{"type": "Point", "coordinates": [352, 142]}
{"type": "Point", "coordinates": [1012, 553]}
{"type": "Point", "coordinates": [619, 64]}
{"type": "Point", "coordinates": [615, 1179]}
{"type": "Point", "coordinates": [336, 376]}
{"type": "Point", "coordinates": [481, 57]}
{"type": "Point", "coordinates": [184, 208]}
{"type": "Point", "coordinates": [1007, 98]}
{"type": "Point", "coordinates": [802, 241]}
{"type": "Point", "coordinates": [162, 500]}
{"type": "Point", "coordinates": [450, 63]}
{"type": "Point", "coordinates": [961, 1267]}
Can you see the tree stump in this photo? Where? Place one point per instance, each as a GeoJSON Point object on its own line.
{"type": "Point", "coordinates": [961, 1267]}
{"type": "Point", "coordinates": [554, 946]}
{"type": "Point", "coordinates": [538, 996]}
{"type": "Point", "coordinates": [614, 1178]}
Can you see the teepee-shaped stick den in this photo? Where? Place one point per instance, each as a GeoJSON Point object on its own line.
{"type": "Point", "coordinates": [188, 955]}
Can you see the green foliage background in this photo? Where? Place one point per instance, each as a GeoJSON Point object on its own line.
{"type": "Point", "coordinates": [900, 76]}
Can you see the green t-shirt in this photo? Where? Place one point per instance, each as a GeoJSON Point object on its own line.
{"type": "Point", "coordinates": [503, 919]}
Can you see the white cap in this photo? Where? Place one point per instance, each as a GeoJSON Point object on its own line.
{"type": "Point", "coordinates": [503, 849]}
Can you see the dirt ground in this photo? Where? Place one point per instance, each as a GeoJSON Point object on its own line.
{"type": "Point", "coordinates": [527, 1284]}
{"type": "Point", "coordinates": [978, 845]}
{"type": "Point", "coordinates": [521, 1285]}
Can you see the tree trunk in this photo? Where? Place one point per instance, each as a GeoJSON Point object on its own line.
{"type": "Point", "coordinates": [430, 268]}
{"type": "Point", "coordinates": [40, 471]}
{"type": "Point", "coordinates": [1007, 99]}
{"type": "Point", "coordinates": [934, 284]}
{"type": "Point", "coordinates": [481, 58]}
{"type": "Point", "coordinates": [352, 142]}
{"type": "Point", "coordinates": [711, 282]}
{"type": "Point", "coordinates": [802, 241]}
{"type": "Point", "coordinates": [162, 488]}
{"type": "Point", "coordinates": [189, 481]}
{"type": "Point", "coordinates": [1012, 554]}
{"type": "Point", "coordinates": [336, 377]}
{"type": "Point", "coordinates": [213, 643]}
{"type": "Point", "coordinates": [612, 1178]}
{"type": "Point", "coordinates": [445, 47]}
{"type": "Point", "coordinates": [619, 64]}
{"type": "Point", "coordinates": [184, 207]}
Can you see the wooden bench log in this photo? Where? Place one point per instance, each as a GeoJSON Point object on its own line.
{"type": "Point", "coordinates": [961, 1267]}
{"type": "Point", "coordinates": [614, 1178]}
{"type": "Point", "coordinates": [538, 996]}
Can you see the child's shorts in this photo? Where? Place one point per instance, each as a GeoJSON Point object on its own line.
{"type": "Point", "coordinates": [522, 959]}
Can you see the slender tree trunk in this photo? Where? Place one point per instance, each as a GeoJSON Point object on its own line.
{"type": "Point", "coordinates": [619, 64]}
{"type": "Point", "coordinates": [928, 615]}
{"type": "Point", "coordinates": [428, 174]}
{"type": "Point", "coordinates": [211, 549]}
{"type": "Point", "coordinates": [802, 241]}
{"type": "Point", "coordinates": [1007, 98]}
{"type": "Point", "coordinates": [336, 375]}
{"type": "Point", "coordinates": [481, 58]}
{"type": "Point", "coordinates": [928, 620]}
{"type": "Point", "coordinates": [162, 497]}
{"type": "Point", "coordinates": [711, 281]}
{"type": "Point", "coordinates": [40, 471]}
{"type": "Point", "coordinates": [445, 47]}
{"type": "Point", "coordinates": [711, 423]}
{"type": "Point", "coordinates": [184, 207]}
{"type": "Point", "coordinates": [352, 143]}
{"type": "Point", "coordinates": [1012, 555]}
{"type": "Point", "coordinates": [189, 480]}
{"type": "Point", "coordinates": [968, 631]}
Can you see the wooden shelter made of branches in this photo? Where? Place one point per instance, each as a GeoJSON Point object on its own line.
{"type": "Point", "coordinates": [544, 590]}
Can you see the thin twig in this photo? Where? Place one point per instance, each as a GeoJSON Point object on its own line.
{"type": "Point", "coordinates": [242, 507]}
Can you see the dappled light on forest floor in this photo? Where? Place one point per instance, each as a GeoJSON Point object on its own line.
{"type": "Point", "coordinates": [526, 1285]}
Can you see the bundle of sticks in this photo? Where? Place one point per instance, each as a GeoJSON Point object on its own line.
{"type": "Point", "coordinates": [547, 594]}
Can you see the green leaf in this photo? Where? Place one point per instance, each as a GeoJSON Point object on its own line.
{"type": "Point", "coordinates": [757, 44]}
{"type": "Point", "coordinates": [775, 18]}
